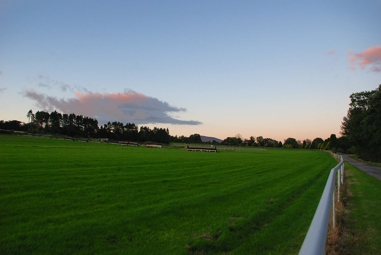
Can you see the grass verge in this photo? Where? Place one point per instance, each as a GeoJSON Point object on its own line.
{"type": "Point", "coordinates": [361, 218]}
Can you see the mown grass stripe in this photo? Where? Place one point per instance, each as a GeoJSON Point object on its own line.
{"type": "Point", "coordinates": [66, 197]}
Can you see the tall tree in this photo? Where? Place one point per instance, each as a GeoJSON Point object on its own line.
{"type": "Point", "coordinates": [31, 123]}
{"type": "Point", "coordinates": [30, 116]}
{"type": "Point", "coordinates": [333, 141]}
{"type": "Point", "coordinates": [55, 121]}
{"type": "Point", "coordinates": [131, 132]}
{"type": "Point", "coordinates": [42, 119]}
{"type": "Point", "coordinates": [90, 126]}
{"type": "Point", "coordinates": [252, 141]}
{"type": "Point", "coordinates": [362, 125]}
{"type": "Point", "coordinates": [79, 122]}
{"type": "Point", "coordinates": [161, 135]}
{"type": "Point", "coordinates": [145, 134]}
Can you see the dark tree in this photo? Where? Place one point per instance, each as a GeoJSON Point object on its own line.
{"type": "Point", "coordinates": [306, 143]}
{"type": "Point", "coordinates": [30, 116]}
{"type": "Point", "coordinates": [362, 125]}
{"type": "Point", "coordinates": [291, 143]}
{"type": "Point", "coordinates": [195, 138]}
{"type": "Point", "coordinates": [343, 144]}
{"type": "Point", "coordinates": [79, 123]}
{"type": "Point", "coordinates": [12, 125]}
{"type": "Point", "coordinates": [317, 143]}
{"type": "Point", "coordinates": [42, 119]}
{"type": "Point", "coordinates": [160, 135]}
{"type": "Point", "coordinates": [55, 121]}
{"type": "Point", "coordinates": [235, 141]}
{"type": "Point", "coordinates": [333, 141]}
{"type": "Point", "coordinates": [90, 127]}
{"type": "Point", "coordinates": [145, 134]}
{"type": "Point", "coordinates": [260, 141]}
{"type": "Point", "coordinates": [268, 142]}
{"type": "Point", "coordinates": [252, 141]}
{"type": "Point", "coordinates": [131, 132]}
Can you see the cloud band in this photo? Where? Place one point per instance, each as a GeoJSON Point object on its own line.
{"type": "Point", "coordinates": [128, 106]}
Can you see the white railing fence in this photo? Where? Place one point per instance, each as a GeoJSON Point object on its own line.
{"type": "Point", "coordinates": [315, 240]}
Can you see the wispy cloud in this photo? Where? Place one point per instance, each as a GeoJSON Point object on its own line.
{"type": "Point", "coordinates": [44, 85]}
{"type": "Point", "coordinates": [129, 106]}
{"type": "Point", "coordinates": [370, 57]}
{"type": "Point", "coordinates": [45, 81]}
{"type": "Point", "coordinates": [331, 52]}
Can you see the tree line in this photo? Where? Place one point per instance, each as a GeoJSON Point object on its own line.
{"type": "Point", "coordinates": [360, 130]}
{"type": "Point", "coordinates": [81, 126]}
{"type": "Point", "coordinates": [332, 143]}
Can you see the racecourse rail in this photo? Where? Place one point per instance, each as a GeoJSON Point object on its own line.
{"type": "Point", "coordinates": [315, 240]}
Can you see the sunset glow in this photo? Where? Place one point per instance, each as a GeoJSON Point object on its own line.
{"type": "Point", "coordinates": [255, 68]}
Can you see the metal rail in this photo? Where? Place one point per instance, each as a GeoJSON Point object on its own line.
{"type": "Point", "coordinates": [315, 240]}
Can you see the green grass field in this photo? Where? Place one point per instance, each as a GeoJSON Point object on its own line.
{"type": "Point", "coordinates": [64, 197]}
{"type": "Point", "coordinates": [362, 232]}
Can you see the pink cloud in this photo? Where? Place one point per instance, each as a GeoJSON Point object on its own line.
{"type": "Point", "coordinates": [130, 96]}
{"type": "Point", "coordinates": [331, 52]}
{"type": "Point", "coordinates": [370, 57]}
{"type": "Point", "coordinates": [125, 107]}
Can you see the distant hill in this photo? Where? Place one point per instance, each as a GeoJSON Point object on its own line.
{"type": "Point", "coordinates": [209, 139]}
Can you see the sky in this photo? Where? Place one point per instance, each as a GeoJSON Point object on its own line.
{"type": "Point", "coordinates": [276, 69]}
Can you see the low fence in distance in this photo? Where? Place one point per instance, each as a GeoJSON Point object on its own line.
{"type": "Point", "coordinates": [315, 240]}
{"type": "Point", "coordinates": [153, 145]}
{"type": "Point", "coordinates": [208, 149]}
{"type": "Point", "coordinates": [127, 143]}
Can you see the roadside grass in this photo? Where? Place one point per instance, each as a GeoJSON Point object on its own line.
{"type": "Point", "coordinates": [64, 197]}
{"type": "Point", "coordinates": [362, 221]}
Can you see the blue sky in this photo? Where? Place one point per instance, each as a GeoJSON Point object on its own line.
{"type": "Point", "coordinates": [219, 68]}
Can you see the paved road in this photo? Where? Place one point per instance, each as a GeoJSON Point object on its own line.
{"type": "Point", "coordinates": [374, 171]}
